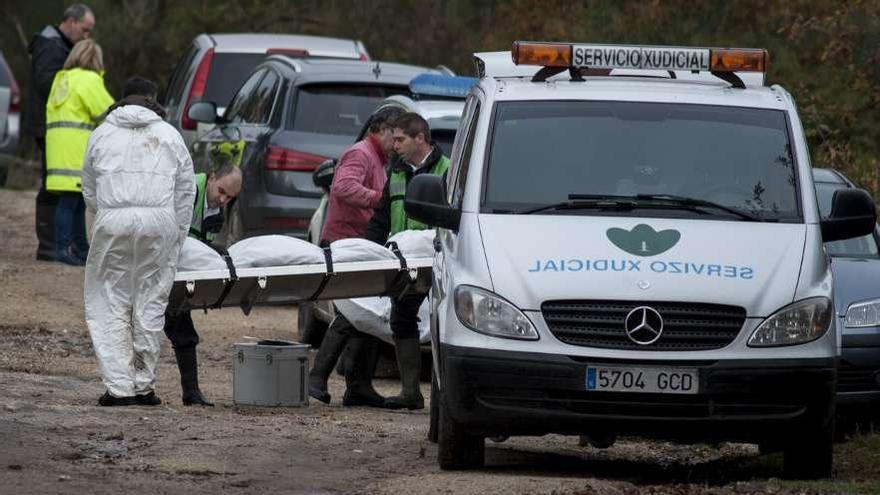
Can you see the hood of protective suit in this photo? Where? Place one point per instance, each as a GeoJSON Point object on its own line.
{"type": "Point", "coordinates": [131, 116]}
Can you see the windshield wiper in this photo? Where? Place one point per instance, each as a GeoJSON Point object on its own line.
{"type": "Point", "coordinates": [597, 203]}
{"type": "Point", "coordinates": [621, 202]}
{"type": "Point", "coordinates": [693, 202]}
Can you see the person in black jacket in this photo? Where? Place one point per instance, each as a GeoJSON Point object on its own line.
{"type": "Point", "coordinates": [48, 50]}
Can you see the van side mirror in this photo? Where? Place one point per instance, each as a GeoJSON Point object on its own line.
{"type": "Point", "coordinates": [203, 111]}
{"type": "Point", "coordinates": [853, 214]}
{"type": "Point", "coordinates": [426, 202]}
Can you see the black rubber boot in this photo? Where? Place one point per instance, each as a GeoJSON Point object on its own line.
{"type": "Point", "coordinates": [148, 399]}
{"type": "Point", "coordinates": [409, 362]}
{"type": "Point", "coordinates": [108, 400]}
{"type": "Point", "coordinates": [45, 223]}
{"type": "Point", "coordinates": [328, 354]}
{"type": "Point", "coordinates": [188, 364]}
{"type": "Point", "coordinates": [363, 351]}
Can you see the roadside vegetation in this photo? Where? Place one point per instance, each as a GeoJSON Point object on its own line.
{"type": "Point", "coordinates": [825, 52]}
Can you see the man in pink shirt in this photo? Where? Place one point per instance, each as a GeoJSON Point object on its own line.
{"type": "Point", "coordinates": [358, 182]}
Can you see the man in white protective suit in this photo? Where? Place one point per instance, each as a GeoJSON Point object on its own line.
{"type": "Point", "coordinates": [138, 180]}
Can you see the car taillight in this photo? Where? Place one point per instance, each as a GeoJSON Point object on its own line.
{"type": "Point", "coordinates": [14, 103]}
{"type": "Point", "coordinates": [14, 93]}
{"type": "Point", "coordinates": [278, 158]}
{"type": "Point", "coordinates": [197, 90]}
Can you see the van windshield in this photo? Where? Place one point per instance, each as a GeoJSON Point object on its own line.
{"type": "Point", "coordinates": [549, 152]}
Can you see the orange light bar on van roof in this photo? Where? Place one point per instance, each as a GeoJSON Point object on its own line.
{"type": "Point", "coordinates": [543, 54]}
{"type": "Point", "coordinates": [666, 58]}
{"type": "Point", "coordinates": [739, 60]}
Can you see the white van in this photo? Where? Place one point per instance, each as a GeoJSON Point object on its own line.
{"type": "Point", "coordinates": [629, 243]}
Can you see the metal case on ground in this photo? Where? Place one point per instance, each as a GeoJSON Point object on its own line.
{"type": "Point", "coordinates": [270, 373]}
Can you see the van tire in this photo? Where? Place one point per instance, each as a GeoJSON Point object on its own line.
{"type": "Point", "coordinates": [434, 409]}
{"type": "Point", "coordinates": [809, 455]}
{"type": "Point", "coordinates": [456, 449]}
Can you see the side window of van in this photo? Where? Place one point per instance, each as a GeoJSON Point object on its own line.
{"type": "Point", "coordinates": [465, 158]}
{"type": "Point", "coordinates": [460, 138]}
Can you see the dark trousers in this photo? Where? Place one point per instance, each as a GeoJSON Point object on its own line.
{"type": "Point", "coordinates": [70, 226]}
{"type": "Point", "coordinates": [180, 330]}
{"type": "Point", "coordinates": [405, 316]}
{"type": "Point", "coordinates": [45, 211]}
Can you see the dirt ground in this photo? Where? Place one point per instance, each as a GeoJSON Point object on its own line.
{"type": "Point", "coordinates": [56, 440]}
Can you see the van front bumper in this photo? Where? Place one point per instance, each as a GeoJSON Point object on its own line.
{"type": "Point", "coordinates": [492, 392]}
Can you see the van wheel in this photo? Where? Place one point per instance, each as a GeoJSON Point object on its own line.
{"type": "Point", "coordinates": [310, 329]}
{"type": "Point", "coordinates": [457, 450]}
{"type": "Point", "coordinates": [810, 454]}
{"type": "Point", "coordinates": [434, 410]}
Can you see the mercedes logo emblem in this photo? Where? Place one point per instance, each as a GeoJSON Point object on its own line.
{"type": "Point", "coordinates": [643, 325]}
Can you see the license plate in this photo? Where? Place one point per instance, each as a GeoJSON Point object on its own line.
{"type": "Point", "coordinates": [647, 380]}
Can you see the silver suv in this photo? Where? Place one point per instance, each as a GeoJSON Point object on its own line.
{"type": "Point", "coordinates": [216, 65]}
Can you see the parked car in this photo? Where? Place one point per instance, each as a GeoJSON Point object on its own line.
{"type": "Point", "coordinates": [856, 267]}
{"type": "Point", "coordinates": [437, 98]}
{"type": "Point", "coordinates": [289, 117]}
{"type": "Point", "coordinates": [10, 113]}
{"type": "Point", "coordinates": [215, 66]}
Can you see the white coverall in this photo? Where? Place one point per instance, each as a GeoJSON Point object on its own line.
{"type": "Point", "coordinates": [138, 180]}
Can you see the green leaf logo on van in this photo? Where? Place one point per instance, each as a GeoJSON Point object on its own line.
{"type": "Point", "coordinates": [643, 240]}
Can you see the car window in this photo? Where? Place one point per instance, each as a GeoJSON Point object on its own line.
{"type": "Point", "coordinates": [544, 151]}
{"type": "Point", "coordinates": [228, 71]}
{"type": "Point", "coordinates": [860, 246]}
{"type": "Point", "coordinates": [461, 177]}
{"type": "Point", "coordinates": [243, 101]}
{"type": "Point", "coordinates": [4, 72]}
{"type": "Point", "coordinates": [455, 156]}
{"type": "Point", "coordinates": [338, 108]}
{"type": "Point", "coordinates": [174, 93]}
{"type": "Point", "coordinates": [260, 109]}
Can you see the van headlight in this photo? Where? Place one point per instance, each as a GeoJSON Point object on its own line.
{"type": "Point", "coordinates": [863, 314]}
{"type": "Point", "coordinates": [485, 312]}
{"type": "Point", "coordinates": [796, 323]}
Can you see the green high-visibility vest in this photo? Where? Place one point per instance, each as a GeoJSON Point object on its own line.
{"type": "Point", "coordinates": [196, 229]}
{"type": "Point", "coordinates": [397, 192]}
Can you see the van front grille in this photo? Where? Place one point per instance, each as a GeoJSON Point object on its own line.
{"type": "Point", "coordinates": [686, 326]}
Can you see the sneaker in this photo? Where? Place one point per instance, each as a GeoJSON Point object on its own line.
{"type": "Point", "coordinates": [108, 400]}
{"type": "Point", "coordinates": [148, 399]}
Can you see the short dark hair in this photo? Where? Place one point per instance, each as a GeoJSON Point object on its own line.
{"type": "Point", "coordinates": [412, 124]}
{"type": "Point", "coordinates": [384, 118]}
{"type": "Point", "coordinates": [137, 85]}
{"type": "Point", "coordinates": [76, 12]}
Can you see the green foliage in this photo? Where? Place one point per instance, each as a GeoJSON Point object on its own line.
{"type": "Point", "coordinates": [825, 52]}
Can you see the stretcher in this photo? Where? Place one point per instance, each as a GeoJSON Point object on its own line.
{"type": "Point", "coordinates": [247, 287]}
